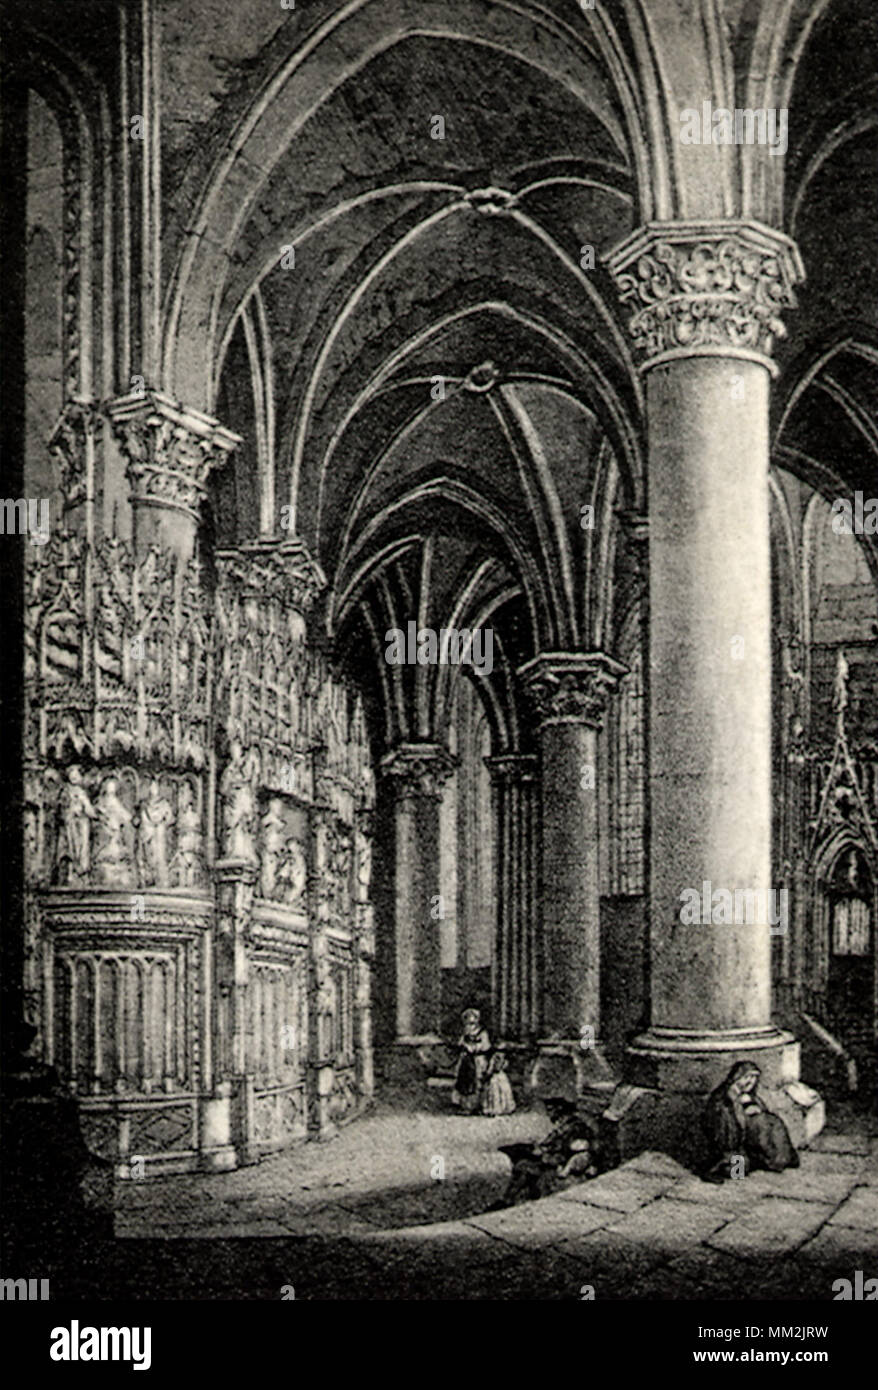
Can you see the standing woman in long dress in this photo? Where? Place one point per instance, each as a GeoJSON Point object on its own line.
{"type": "Point", "coordinates": [472, 1064]}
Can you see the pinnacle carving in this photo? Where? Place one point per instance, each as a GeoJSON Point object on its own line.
{"type": "Point", "coordinates": [68, 445]}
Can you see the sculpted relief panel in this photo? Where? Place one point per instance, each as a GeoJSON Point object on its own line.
{"type": "Point", "coordinates": [117, 655]}
{"type": "Point", "coordinates": [284, 865]}
{"type": "Point", "coordinates": [184, 738]}
{"type": "Point", "coordinates": [130, 662]}
{"type": "Point", "coordinates": [120, 828]}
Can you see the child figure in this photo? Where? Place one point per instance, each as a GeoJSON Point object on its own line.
{"type": "Point", "coordinates": [498, 1098]}
{"type": "Point", "coordinates": [472, 1064]}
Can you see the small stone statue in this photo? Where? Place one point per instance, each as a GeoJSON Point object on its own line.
{"type": "Point", "coordinates": [840, 689]}
{"type": "Point", "coordinates": [292, 873]}
{"type": "Point", "coordinates": [363, 983]}
{"type": "Point", "coordinates": [364, 865]}
{"type": "Point", "coordinates": [155, 815]}
{"type": "Point", "coordinates": [340, 862]}
{"type": "Point", "coordinates": [367, 786]}
{"type": "Point", "coordinates": [325, 993]}
{"type": "Point", "coordinates": [74, 840]}
{"type": "Point", "coordinates": [187, 860]}
{"type": "Point", "coordinates": [113, 859]}
{"type": "Point", "coordinates": [239, 802]}
{"type": "Point", "coordinates": [273, 828]}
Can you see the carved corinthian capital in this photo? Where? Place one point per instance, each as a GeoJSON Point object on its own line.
{"type": "Point", "coordinates": [571, 687]}
{"type": "Point", "coordinates": [281, 569]}
{"type": "Point", "coordinates": [419, 769]}
{"type": "Point", "coordinates": [706, 288]}
{"type": "Point", "coordinates": [506, 768]}
{"type": "Point", "coordinates": [169, 450]}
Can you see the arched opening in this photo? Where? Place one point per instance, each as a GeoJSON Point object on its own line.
{"type": "Point", "coordinates": [850, 963]}
{"type": "Point", "coordinates": [826, 759]}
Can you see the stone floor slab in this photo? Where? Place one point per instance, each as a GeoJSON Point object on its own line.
{"type": "Point", "coordinates": [446, 1245]}
{"type": "Point", "coordinates": [622, 1189]}
{"type": "Point", "coordinates": [543, 1223]}
{"type": "Point", "coordinates": [610, 1262]}
{"type": "Point", "coordinates": [863, 1168]}
{"type": "Point", "coordinates": [669, 1226]}
{"type": "Point", "coordinates": [803, 1184]}
{"type": "Point", "coordinates": [227, 1231]}
{"type": "Point", "coordinates": [841, 1250]}
{"type": "Point", "coordinates": [535, 1275]}
{"type": "Point", "coordinates": [327, 1221]}
{"type": "Point", "coordinates": [848, 1143]}
{"type": "Point", "coordinates": [773, 1226]}
{"type": "Point", "coordinates": [860, 1210]}
{"type": "Point", "coordinates": [735, 1195]}
{"type": "Point", "coordinates": [702, 1273]}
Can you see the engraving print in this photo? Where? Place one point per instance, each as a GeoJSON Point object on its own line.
{"type": "Point", "coordinates": [440, 568]}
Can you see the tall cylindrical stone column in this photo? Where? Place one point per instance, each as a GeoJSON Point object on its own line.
{"type": "Point", "coordinates": [569, 691]}
{"type": "Point", "coordinates": [517, 970]}
{"type": "Point", "coordinates": [418, 771]}
{"type": "Point", "coordinates": [707, 299]}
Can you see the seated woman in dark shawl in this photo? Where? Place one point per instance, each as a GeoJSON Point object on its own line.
{"type": "Point", "coordinates": [739, 1127]}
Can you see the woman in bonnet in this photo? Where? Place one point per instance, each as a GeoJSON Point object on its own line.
{"type": "Point", "coordinates": [472, 1063]}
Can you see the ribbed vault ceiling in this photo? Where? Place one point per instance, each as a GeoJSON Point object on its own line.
{"type": "Point", "coordinates": [451, 379]}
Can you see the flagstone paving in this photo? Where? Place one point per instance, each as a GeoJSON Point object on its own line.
{"type": "Point", "coordinates": [372, 1215]}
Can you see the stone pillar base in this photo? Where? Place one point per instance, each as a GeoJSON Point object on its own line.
{"type": "Point", "coordinates": [218, 1161]}
{"type": "Point", "coordinates": [412, 1061]}
{"type": "Point", "coordinates": [242, 1088]}
{"type": "Point", "coordinates": [215, 1137]}
{"type": "Point", "coordinates": [803, 1110]}
{"type": "Point", "coordinates": [563, 1067]}
{"type": "Point", "coordinates": [670, 1074]}
{"type": "Point", "coordinates": [366, 1078]}
{"type": "Point", "coordinates": [689, 1060]}
{"type": "Point", "coordinates": [322, 1125]}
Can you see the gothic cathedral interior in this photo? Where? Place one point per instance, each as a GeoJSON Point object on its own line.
{"type": "Point", "coordinates": [449, 486]}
